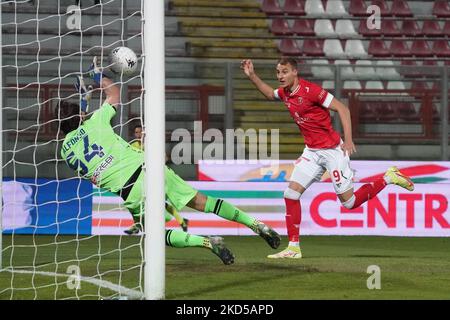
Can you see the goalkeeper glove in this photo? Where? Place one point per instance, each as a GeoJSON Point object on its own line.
{"type": "Point", "coordinates": [85, 94]}
{"type": "Point", "coordinates": [95, 73]}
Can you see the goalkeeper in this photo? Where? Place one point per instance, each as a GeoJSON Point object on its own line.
{"type": "Point", "coordinates": [93, 150]}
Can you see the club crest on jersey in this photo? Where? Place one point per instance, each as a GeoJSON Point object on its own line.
{"type": "Point", "coordinates": [300, 100]}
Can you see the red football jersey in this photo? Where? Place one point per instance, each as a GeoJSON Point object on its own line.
{"type": "Point", "coordinates": [308, 104]}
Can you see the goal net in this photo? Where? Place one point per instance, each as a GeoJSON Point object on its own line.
{"type": "Point", "coordinates": [63, 238]}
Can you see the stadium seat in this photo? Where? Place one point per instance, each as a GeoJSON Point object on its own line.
{"type": "Point", "coordinates": [441, 8]}
{"type": "Point", "coordinates": [386, 112]}
{"type": "Point", "coordinates": [395, 85]}
{"type": "Point", "coordinates": [410, 28]}
{"type": "Point", "coordinates": [272, 7]}
{"type": "Point", "coordinates": [280, 27]}
{"type": "Point", "coordinates": [333, 48]}
{"type": "Point", "coordinates": [355, 49]}
{"type": "Point", "coordinates": [389, 28]}
{"type": "Point", "coordinates": [313, 47]}
{"type": "Point", "coordinates": [365, 31]}
{"type": "Point", "coordinates": [358, 8]}
{"type": "Point", "coordinates": [386, 69]}
{"type": "Point", "coordinates": [374, 85]}
{"type": "Point", "coordinates": [418, 86]}
{"type": "Point", "coordinates": [289, 47]}
{"type": "Point", "coordinates": [314, 7]}
{"type": "Point", "coordinates": [346, 70]}
{"type": "Point", "coordinates": [322, 69]}
{"type": "Point", "coordinates": [441, 48]}
{"type": "Point", "coordinates": [446, 29]}
{"type": "Point", "coordinates": [400, 8]}
{"type": "Point", "coordinates": [335, 8]}
{"type": "Point", "coordinates": [384, 9]}
{"type": "Point", "coordinates": [303, 27]}
{"type": "Point", "coordinates": [367, 111]}
{"type": "Point", "coordinates": [345, 29]}
{"type": "Point", "coordinates": [420, 48]}
{"type": "Point", "coordinates": [364, 69]}
{"type": "Point", "coordinates": [324, 28]}
{"type": "Point", "coordinates": [431, 28]}
{"type": "Point", "coordinates": [378, 48]}
{"type": "Point", "coordinates": [430, 72]}
{"type": "Point", "coordinates": [406, 111]}
{"type": "Point", "coordinates": [352, 85]}
{"type": "Point", "coordinates": [294, 7]}
{"type": "Point", "coordinates": [399, 48]}
{"type": "Point", "coordinates": [328, 85]}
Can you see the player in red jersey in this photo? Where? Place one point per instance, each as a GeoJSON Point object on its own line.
{"type": "Point", "coordinates": [309, 106]}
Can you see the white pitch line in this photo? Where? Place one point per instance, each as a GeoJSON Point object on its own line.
{"type": "Point", "coordinates": [130, 293]}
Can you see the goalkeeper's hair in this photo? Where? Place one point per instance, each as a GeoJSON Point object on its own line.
{"type": "Point", "coordinates": [288, 60]}
{"type": "Point", "coordinates": [69, 116]}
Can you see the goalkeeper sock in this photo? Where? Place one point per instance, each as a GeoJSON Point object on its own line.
{"type": "Point", "coordinates": [181, 239]}
{"type": "Point", "coordinates": [175, 214]}
{"type": "Point", "coordinates": [229, 212]}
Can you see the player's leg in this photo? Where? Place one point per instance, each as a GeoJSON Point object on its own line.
{"type": "Point", "coordinates": [229, 212]}
{"type": "Point", "coordinates": [306, 171]}
{"type": "Point", "coordinates": [181, 221]}
{"type": "Point", "coordinates": [181, 239]}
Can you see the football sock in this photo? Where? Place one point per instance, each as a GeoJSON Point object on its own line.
{"type": "Point", "coordinates": [181, 239]}
{"type": "Point", "coordinates": [229, 212]}
{"type": "Point", "coordinates": [175, 214]}
{"type": "Point", "coordinates": [368, 191]}
{"type": "Point", "coordinates": [293, 218]}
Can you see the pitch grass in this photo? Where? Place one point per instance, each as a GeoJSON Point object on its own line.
{"type": "Point", "coordinates": [332, 268]}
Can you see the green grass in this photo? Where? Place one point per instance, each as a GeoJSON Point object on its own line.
{"type": "Point", "coordinates": [332, 268]}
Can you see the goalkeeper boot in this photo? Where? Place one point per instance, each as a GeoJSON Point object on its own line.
{"type": "Point", "coordinates": [396, 177]}
{"type": "Point", "coordinates": [290, 252]}
{"type": "Point", "coordinates": [219, 249]}
{"type": "Point", "coordinates": [268, 234]}
{"type": "Point", "coordinates": [134, 229]}
{"type": "Point", "coordinates": [184, 224]}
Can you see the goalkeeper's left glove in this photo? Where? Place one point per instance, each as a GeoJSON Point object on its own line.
{"type": "Point", "coordinates": [94, 72]}
{"type": "Point", "coordinates": [85, 93]}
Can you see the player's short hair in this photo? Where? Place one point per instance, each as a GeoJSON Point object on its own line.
{"type": "Point", "coordinates": [287, 60]}
{"type": "Point", "coordinates": [69, 116]}
{"type": "Point", "coordinates": [137, 126]}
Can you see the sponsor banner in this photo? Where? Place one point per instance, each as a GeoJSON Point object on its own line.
{"type": "Point", "coordinates": [394, 212]}
{"type": "Point", "coordinates": [365, 171]}
{"type": "Point", "coordinates": [46, 206]}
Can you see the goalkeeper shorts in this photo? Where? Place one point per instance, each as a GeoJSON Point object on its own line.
{"type": "Point", "coordinates": [178, 192]}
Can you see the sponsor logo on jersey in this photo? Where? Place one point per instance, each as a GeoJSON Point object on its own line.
{"type": "Point", "coordinates": [105, 164]}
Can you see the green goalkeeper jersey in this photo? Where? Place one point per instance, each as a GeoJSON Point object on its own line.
{"type": "Point", "coordinates": [98, 154]}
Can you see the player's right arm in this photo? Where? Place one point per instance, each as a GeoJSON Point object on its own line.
{"type": "Point", "coordinates": [264, 88]}
{"type": "Point", "coordinates": [111, 90]}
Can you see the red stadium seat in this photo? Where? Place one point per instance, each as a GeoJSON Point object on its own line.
{"type": "Point", "coordinates": [406, 111]}
{"type": "Point", "coordinates": [280, 27]}
{"type": "Point", "coordinates": [400, 8]}
{"type": "Point", "coordinates": [410, 28]}
{"type": "Point", "coordinates": [358, 8]}
{"type": "Point", "coordinates": [386, 112]}
{"type": "Point", "coordinates": [389, 28]}
{"type": "Point", "coordinates": [399, 48]}
{"type": "Point", "coordinates": [272, 7]}
{"type": "Point", "coordinates": [419, 86]}
{"type": "Point", "coordinates": [303, 27]}
{"type": "Point", "coordinates": [432, 72]}
{"type": "Point", "coordinates": [441, 48]}
{"type": "Point", "coordinates": [378, 48]}
{"type": "Point", "coordinates": [365, 31]}
{"type": "Point", "coordinates": [313, 47]}
{"type": "Point", "coordinates": [289, 47]}
{"type": "Point", "coordinates": [420, 48]}
{"type": "Point", "coordinates": [431, 28]}
{"type": "Point", "coordinates": [367, 111]}
{"type": "Point", "coordinates": [441, 8]}
{"type": "Point", "coordinates": [446, 29]}
{"type": "Point", "coordinates": [294, 7]}
{"type": "Point", "coordinates": [384, 9]}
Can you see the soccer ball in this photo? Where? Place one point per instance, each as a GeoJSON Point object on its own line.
{"type": "Point", "coordinates": [123, 60]}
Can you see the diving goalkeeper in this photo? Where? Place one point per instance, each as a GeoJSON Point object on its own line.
{"type": "Point", "coordinates": [92, 149]}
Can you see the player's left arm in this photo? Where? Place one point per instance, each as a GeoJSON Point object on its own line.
{"type": "Point", "coordinates": [344, 114]}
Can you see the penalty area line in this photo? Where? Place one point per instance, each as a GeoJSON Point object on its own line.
{"type": "Point", "coordinates": [130, 293]}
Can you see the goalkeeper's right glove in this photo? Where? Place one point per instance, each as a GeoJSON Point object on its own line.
{"type": "Point", "coordinates": [94, 72]}
{"type": "Point", "coordinates": [85, 93]}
